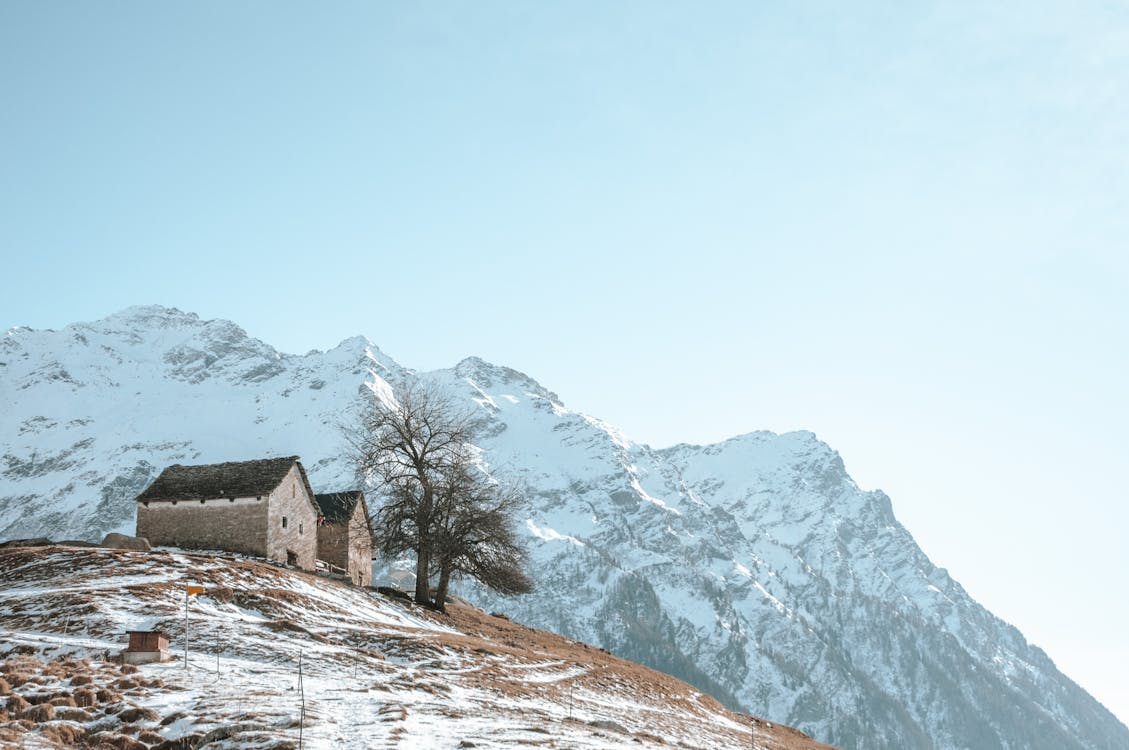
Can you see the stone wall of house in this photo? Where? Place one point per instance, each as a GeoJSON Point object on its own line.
{"type": "Point", "coordinates": [348, 546]}
{"type": "Point", "coordinates": [292, 533]}
{"type": "Point", "coordinates": [333, 544]}
{"type": "Point", "coordinates": [236, 525]}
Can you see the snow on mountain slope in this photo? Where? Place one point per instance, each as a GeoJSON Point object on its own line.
{"type": "Point", "coordinates": [375, 672]}
{"type": "Point", "coordinates": [755, 568]}
{"type": "Point", "coordinates": [94, 411]}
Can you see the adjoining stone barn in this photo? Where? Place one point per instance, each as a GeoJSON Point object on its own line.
{"type": "Point", "coordinates": [264, 508]}
{"type": "Point", "coordinates": [345, 534]}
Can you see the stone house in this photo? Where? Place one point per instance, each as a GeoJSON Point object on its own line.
{"type": "Point", "coordinates": [264, 508]}
{"type": "Point", "coordinates": [345, 535]}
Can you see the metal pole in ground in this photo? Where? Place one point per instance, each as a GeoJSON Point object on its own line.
{"type": "Point", "coordinates": [189, 592]}
{"type": "Point", "coordinates": [302, 696]}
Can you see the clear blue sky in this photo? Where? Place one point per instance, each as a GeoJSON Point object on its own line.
{"type": "Point", "coordinates": [901, 225]}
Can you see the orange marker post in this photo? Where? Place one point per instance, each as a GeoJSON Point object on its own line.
{"type": "Point", "coordinates": [189, 590]}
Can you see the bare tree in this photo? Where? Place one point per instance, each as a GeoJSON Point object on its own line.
{"type": "Point", "coordinates": [405, 448]}
{"type": "Point", "coordinates": [415, 452]}
{"type": "Point", "coordinates": [474, 534]}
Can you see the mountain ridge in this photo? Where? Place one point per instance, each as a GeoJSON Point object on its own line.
{"type": "Point", "coordinates": [756, 561]}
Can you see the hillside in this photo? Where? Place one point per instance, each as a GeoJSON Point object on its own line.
{"type": "Point", "coordinates": [376, 671]}
{"type": "Point", "coordinates": [755, 569]}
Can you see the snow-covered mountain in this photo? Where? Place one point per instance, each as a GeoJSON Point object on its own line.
{"type": "Point", "coordinates": [755, 568]}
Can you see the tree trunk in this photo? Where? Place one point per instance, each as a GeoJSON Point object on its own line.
{"type": "Point", "coordinates": [441, 591]}
{"type": "Point", "coordinates": [423, 580]}
{"type": "Point", "coordinates": [423, 552]}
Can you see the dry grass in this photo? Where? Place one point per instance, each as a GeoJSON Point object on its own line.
{"type": "Point", "coordinates": [490, 636]}
{"type": "Point", "coordinates": [105, 695]}
{"type": "Point", "coordinates": [66, 735]}
{"type": "Point", "coordinates": [56, 667]}
{"type": "Point", "coordinates": [267, 600]}
{"type": "Point", "coordinates": [175, 716]}
{"type": "Point", "coordinates": [493, 654]}
{"type": "Point", "coordinates": [284, 624]}
{"type": "Point", "coordinates": [115, 741]}
{"type": "Point", "coordinates": [18, 679]}
{"type": "Point", "coordinates": [393, 713]}
{"type": "Point", "coordinates": [17, 704]}
{"type": "Point", "coordinates": [138, 713]}
{"type": "Point", "coordinates": [187, 742]}
{"type": "Point", "coordinates": [221, 594]}
{"type": "Point", "coordinates": [150, 738]}
{"type": "Point", "coordinates": [56, 716]}
{"type": "Point", "coordinates": [80, 715]}
{"type": "Point", "coordinates": [39, 714]}
{"type": "Point", "coordinates": [36, 698]}
{"type": "Point", "coordinates": [18, 663]}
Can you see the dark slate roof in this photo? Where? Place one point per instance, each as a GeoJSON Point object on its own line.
{"type": "Point", "coordinates": [337, 507]}
{"type": "Point", "coordinates": [231, 479]}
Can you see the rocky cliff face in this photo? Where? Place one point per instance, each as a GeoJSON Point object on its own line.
{"type": "Point", "coordinates": [754, 568]}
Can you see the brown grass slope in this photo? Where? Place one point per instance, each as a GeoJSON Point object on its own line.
{"type": "Point", "coordinates": [378, 671]}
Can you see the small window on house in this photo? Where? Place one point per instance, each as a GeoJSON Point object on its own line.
{"type": "Point", "coordinates": [284, 522]}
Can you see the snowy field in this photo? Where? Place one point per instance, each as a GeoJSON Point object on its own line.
{"type": "Point", "coordinates": [280, 659]}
